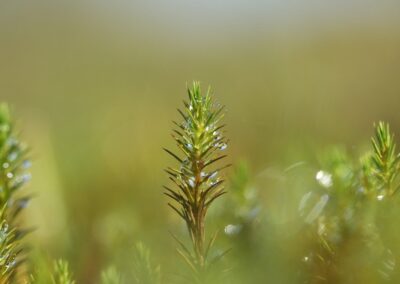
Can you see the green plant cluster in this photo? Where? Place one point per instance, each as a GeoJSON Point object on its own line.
{"type": "Point", "coordinates": [340, 223]}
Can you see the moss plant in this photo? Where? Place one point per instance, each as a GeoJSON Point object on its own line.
{"type": "Point", "coordinates": [13, 175]}
{"type": "Point", "coordinates": [144, 271]}
{"type": "Point", "coordinates": [354, 214]}
{"type": "Point", "coordinates": [9, 250]}
{"type": "Point", "coordinates": [14, 165]}
{"type": "Point", "coordinates": [349, 211]}
{"type": "Point", "coordinates": [62, 274]}
{"type": "Point", "coordinates": [200, 138]}
{"type": "Point", "coordinates": [110, 276]}
{"type": "Point", "coordinates": [333, 219]}
{"type": "Point", "coordinates": [385, 162]}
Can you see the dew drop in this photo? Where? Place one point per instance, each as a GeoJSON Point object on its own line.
{"type": "Point", "coordinates": [231, 230]}
{"type": "Point", "coordinates": [11, 142]}
{"type": "Point", "coordinates": [324, 179]}
{"type": "Point", "coordinates": [23, 203]}
{"type": "Point", "coordinates": [191, 182]}
{"type": "Point", "coordinates": [185, 125]}
{"type": "Point", "coordinates": [11, 264]}
{"type": "Point", "coordinates": [223, 146]}
{"type": "Point", "coordinates": [308, 259]}
{"type": "Point", "coordinates": [361, 190]}
{"type": "Point", "coordinates": [253, 213]}
{"type": "Point", "coordinates": [214, 175]}
{"type": "Point", "coordinates": [13, 156]}
{"type": "Point", "coordinates": [380, 197]}
{"type": "Point", "coordinates": [6, 165]}
{"type": "Point", "coordinates": [26, 164]}
{"type": "Point", "coordinates": [26, 177]}
{"type": "Point", "coordinates": [4, 228]}
{"type": "Point", "coordinates": [10, 175]}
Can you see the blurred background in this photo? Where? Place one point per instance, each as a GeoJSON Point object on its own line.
{"type": "Point", "coordinates": [95, 84]}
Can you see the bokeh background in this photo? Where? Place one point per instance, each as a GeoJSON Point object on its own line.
{"type": "Point", "coordinates": [95, 85]}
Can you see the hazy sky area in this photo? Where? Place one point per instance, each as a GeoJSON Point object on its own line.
{"type": "Point", "coordinates": [283, 54]}
{"type": "Point", "coordinates": [209, 18]}
{"type": "Point", "coordinates": [201, 17]}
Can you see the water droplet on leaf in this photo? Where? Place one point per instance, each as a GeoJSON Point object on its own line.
{"type": "Point", "coordinates": [13, 156]}
{"type": "Point", "coordinates": [324, 179]}
{"type": "Point", "coordinates": [231, 230]}
{"type": "Point", "coordinates": [191, 182]}
{"type": "Point", "coordinates": [26, 164]}
{"type": "Point", "coordinates": [223, 146]}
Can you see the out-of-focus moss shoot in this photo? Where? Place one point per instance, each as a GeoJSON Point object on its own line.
{"type": "Point", "coordinates": [13, 175]}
